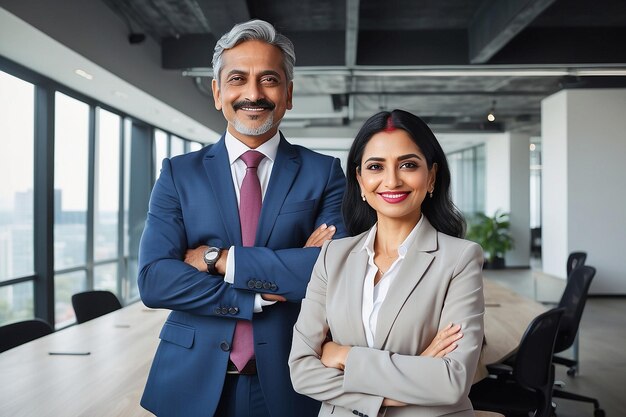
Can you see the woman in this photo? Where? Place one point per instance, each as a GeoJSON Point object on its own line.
{"type": "Point", "coordinates": [385, 292]}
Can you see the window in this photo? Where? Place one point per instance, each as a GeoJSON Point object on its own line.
{"type": "Point", "coordinates": [71, 157]}
{"type": "Point", "coordinates": [107, 190]}
{"type": "Point", "coordinates": [467, 169]}
{"type": "Point", "coordinates": [17, 173]}
{"type": "Point", "coordinates": [103, 174]}
{"type": "Point", "coordinates": [160, 150]}
{"type": "Point", "coordinates": [177, 146]}
{"type": "Point", "coordinates": [17, 109]}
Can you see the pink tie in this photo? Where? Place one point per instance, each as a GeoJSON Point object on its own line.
{"type": "Point", "coordinates": [249, 211]}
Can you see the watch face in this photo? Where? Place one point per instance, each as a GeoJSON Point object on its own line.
{"type": "Point", "coordinates": [211, 256]}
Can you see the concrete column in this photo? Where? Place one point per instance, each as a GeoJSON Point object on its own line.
{"type": "Point", "coordinates": [508, 189]}
{"type": "Point", "coordinates": [584, 191]}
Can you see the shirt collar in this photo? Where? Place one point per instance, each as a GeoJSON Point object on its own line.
{"type": "Point", "coordinates": [368, 245]}
{"type": "Point", "coordinates": [236, 148]}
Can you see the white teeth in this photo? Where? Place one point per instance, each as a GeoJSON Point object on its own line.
{"type": "Point", "coordinates": [393, 195]}
{"type": "Point", "coordinates": [252, 108]}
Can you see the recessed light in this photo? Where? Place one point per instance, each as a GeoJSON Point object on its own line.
{"type": "Point", "coordinates": [84, 74]}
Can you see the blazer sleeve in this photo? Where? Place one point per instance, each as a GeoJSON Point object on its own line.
{"type": "Point", "coordinates": [290, 269]}
{"type": "Point", "coordinates": [165, 281]}
{"type": "Point", "coordinates": [308, 375]}
{"type": "Point", "coordinates": [423, 380]}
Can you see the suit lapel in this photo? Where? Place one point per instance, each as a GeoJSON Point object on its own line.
{"type": "Point", "coordinates": [412, 270]}
{"type": "Point", "coordinates": [286, 167]}
{"type": "Point", "coordinates": [218, 171]}
{"type": "Point", "coordinates": [354, 272]}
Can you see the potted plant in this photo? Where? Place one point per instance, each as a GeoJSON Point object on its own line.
{"type": "Point", "coordinates": [493, 234]}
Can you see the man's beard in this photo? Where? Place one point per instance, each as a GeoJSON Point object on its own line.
{"type": "Point", "coordinates": [254, 131]}
{"type": "Point", "coordinates": [242, 128]}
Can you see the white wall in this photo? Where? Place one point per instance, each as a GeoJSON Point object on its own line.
{"type": "Point", "coordinates": [584, 185]}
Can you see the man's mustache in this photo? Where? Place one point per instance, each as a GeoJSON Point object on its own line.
{"type": "Point", "coordinates": [262, 103]}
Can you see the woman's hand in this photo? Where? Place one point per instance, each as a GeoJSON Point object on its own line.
{"type": "Point", "coordinates": [388, 402]}
{"type": "Point", "coordinates": [334, 355]}
{"type": "Point", "coordinates": [320, 235]}
{"type": "Point", "coordinates": [444, 342]}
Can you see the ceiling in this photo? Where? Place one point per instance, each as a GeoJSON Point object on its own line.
{"type": "Point", "coordinates": [451, 62]}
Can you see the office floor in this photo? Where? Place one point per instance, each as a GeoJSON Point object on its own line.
{"type": "Point", "coordinates": [602, 343]}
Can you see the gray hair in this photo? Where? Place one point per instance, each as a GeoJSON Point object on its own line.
{"type": "Point", "coordinates": [254, 30]}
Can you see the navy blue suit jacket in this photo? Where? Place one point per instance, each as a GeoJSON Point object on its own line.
{"type": "Point", "coordinates": [193, 203]}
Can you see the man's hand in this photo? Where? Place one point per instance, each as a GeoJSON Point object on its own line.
{"type": "Point", "coordinates": [273, 297]}
{"type": "Point", "coordinates": [320, 235]}
{"type": "Point", "coordinates": [444, 342]}
{"type": "Point", "coordinates": [195, 258]}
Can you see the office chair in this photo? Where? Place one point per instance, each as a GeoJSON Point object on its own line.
{"type": "Point", "coordinates": [574, 260]}
{"type": "Point", "coordinates": [527, 386]}
{"type": "Point", "coordinates": [91, 304]}
{"type": "Point", "coordinates": [15, 334]}
{"type": "Point", "coordinates": [573, 303]}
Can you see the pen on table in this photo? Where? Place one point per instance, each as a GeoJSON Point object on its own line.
{"type": "Point", "coordinates": [70, 353]}
{"type": "Point", "coordinates": [492, 304]}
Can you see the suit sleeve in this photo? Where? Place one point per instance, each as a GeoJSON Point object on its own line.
{"type": "Point", "coordinates": [424, 380]}
{"type": "Point", "coordinates": [165, 281]}
{"type": "Point", "coordinates": [287, 271]}
{"type": "Point", "coordinates": [308, 375]}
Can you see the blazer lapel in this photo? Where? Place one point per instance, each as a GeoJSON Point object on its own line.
{"type": "Point", "coordinates": [286, 167]}
{"type": "Point", "coordinates": [354, 277]}
{"type": "Point", "coordinates": [217, 168]}
{"type": "Point", "coordinates": [414, 265]}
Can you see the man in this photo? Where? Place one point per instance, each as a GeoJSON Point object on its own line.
{"type": "Point", "coordinates": [234, 270]}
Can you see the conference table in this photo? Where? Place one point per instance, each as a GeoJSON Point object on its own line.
{"type": "Point", "coordinates": [99, 368]}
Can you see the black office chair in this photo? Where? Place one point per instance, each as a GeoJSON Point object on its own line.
{"type": "Point", "coordinates": [527, 386]}
{"type": "Point", "coordinates": [573, 303]}
{"type": "Point", "coordinates": [91, 304]}
{"type": "Point", "coordinates": [15, 334]}
{"type": "Point", "coordinates": [574, 260]}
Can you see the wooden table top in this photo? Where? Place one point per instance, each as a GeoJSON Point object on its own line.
{"type": "Point", "coordinates": [107, 382]}
{"type": "Point", "coordinates": [110, 380]}
{"type": "Point", "coordinates": [507, 315]}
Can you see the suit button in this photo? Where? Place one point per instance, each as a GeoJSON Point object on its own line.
{"type": "Point", "coordinates": [251, 284]}
{"type": "Point", "coordinates": [258, 285]}
{"type": "Point", "coordinates": [233, 310]}
{"type": "Point", "coordinates": [218, 310]}
{"type": "Point", "coordinates": [356, 413]}
{"type": "Point", "coordinates": [224, 310]}
{"type": "Point", "coordinates": [273, 287]}
{"type": "Point", "coordinates": [266, 285]}
{"type": "Point", "coordinates": [225, 346]}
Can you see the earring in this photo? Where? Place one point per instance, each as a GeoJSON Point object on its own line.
{"type": "Point", "coordinates": [431, 193]}
{"type": "Point", "coordinates": [363, 197]}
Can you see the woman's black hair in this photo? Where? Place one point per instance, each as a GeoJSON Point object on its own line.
{"type": "Point", "coordinates": [358, 216]}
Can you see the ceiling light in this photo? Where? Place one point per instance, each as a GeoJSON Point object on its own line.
{"type": "Point", "coordinates": [491, 116]}
{"type": "Point", "coordinates": [83, 74]}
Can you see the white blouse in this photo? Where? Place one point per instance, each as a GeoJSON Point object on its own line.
{"type": "Point", "coordinates": [374, 295]}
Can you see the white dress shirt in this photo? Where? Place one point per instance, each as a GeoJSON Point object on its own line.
{"type": "Point", "coordinates": [374, 295]}
{"type": "Point", "coordinates": [235, 149]}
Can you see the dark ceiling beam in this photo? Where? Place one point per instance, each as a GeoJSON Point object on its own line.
{"type": "Point", "coordinates": [223, 15]}
{"type": "Point", "coordinates": [497, 22]}
{"type": "Point", "coordinates": [352, 31]}
{"type": "Point", "coordinates": [196, 51]}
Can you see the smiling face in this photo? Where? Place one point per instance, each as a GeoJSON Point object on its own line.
{"type": "Point", "coordinates": [394, 176]}
{"type": "Point", "coordinates": [253, 93]}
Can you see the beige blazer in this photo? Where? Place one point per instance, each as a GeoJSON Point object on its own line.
{"type": "Point", "coordinates": [439, 282]}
